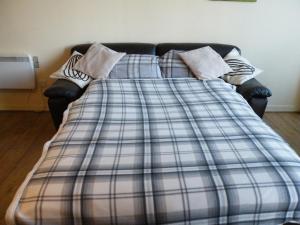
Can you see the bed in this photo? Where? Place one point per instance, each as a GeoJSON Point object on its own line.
{"type": "Point", "coordinates": [62, 92]}
{"type": "Point", "coordinates": [161, 151]}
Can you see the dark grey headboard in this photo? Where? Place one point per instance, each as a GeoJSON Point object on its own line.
{"type": "Point", "coordinates": [222, 49]}
{"type": "Point", "coordinates": [159, 49]}
{"type": "Point", "coordinates": [129, 48]}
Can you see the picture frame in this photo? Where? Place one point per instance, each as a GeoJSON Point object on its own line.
{"type": "Point", "coordinates": [237, 0]}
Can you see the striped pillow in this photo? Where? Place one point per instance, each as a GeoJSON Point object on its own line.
{"type": "Point", "coordinates": [135, 66]}
{"type": "Point", "coordinates": [172, 66]}
{"type": "Point", "coordinates": [68, 73]}
{"type": "Point", "coordinates": [242, 69]}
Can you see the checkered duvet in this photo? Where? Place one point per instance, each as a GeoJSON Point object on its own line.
{"type": "Point", "coordinates": [165, 151]}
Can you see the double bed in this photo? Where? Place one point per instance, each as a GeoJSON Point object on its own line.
{"type": "Point", "coordinates": [161, 151]}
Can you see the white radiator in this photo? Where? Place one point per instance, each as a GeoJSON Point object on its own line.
{"type": "Point", "coordinates": [17, 72]}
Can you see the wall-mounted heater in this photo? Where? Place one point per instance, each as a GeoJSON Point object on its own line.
{"type": "Point", "coordinates": [17, 72]}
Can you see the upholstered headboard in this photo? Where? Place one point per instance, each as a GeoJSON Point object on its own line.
{"type": "Point", "coordinates": [222, 49]}
{"type": "Point", "coordinates": [160, 49]}
{"type": "Point", "coordinates": [129, 48]}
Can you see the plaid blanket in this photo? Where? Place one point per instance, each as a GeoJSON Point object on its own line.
{"type": "Point", "coordinates": [164, 151]}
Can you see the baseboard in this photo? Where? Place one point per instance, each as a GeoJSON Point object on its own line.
{"type": "Point", "coordinates": [282, 108]}
{"type": "Point", "coordinates": [36, 108]}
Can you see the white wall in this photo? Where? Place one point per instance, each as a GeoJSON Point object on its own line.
{"type": "Point", "coordinates": [268, 33]}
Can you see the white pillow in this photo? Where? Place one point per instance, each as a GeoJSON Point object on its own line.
{"type": "Point", "coordinates": [67, 72]}
{"type": "Point", "coordinates": [242, 68]}
{"type": "Point", "coordinates": [205, 63]}
{"type": "Point", "coordinates": [99, 61]}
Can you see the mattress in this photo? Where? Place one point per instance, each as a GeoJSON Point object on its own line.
{"type": "Point", "coordinates": [164, 151]}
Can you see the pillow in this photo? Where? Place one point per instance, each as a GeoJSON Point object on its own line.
{"type": "Point", "coordinates": [136, 66]}
{"type": "Point", "coordinates": [67, 72]}
{"type": "Point", "coordinates": [98, 61]}
{"type": "Point", "coordinates": [205, 63]}
{"type": "Point", "coordinates": [242, 68]}
{"type": "Point", "coordinates": [172, 66]}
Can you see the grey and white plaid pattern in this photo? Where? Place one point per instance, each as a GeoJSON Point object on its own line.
{"type": "Point", "coordinates": [163, 151]}
{"type": "Point", "coordinates": [135, 66]}
{"type": "Point", "coordinates": [172, 66]}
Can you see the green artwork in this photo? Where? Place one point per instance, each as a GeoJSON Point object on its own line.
{"type": "Point", "coordinates": [241, 0]}
{"type": "Point", "coordinates": [237, 0]}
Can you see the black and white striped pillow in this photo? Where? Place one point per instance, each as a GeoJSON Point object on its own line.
{"type": "Point", "coordinates": [172, 66]}
{"type": "Point", "coordinates": [67, 72]}
{"type": "Point", "coordinates": [242, 69]}
{"type": "Point", "coordinates": [135, 66]}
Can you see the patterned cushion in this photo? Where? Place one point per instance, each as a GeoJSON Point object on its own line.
{"type": "Point", "coordinates": [67, 72]}
{"type": "Point", "coordinates": [135, 66]}
{"type": "Point", "coordinates": [242, 69]}
{"type": "Point", "coordinates": [172, 66]}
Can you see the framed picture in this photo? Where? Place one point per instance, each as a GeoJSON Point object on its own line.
{"type": "Point", "coordinates": [237, 0]}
